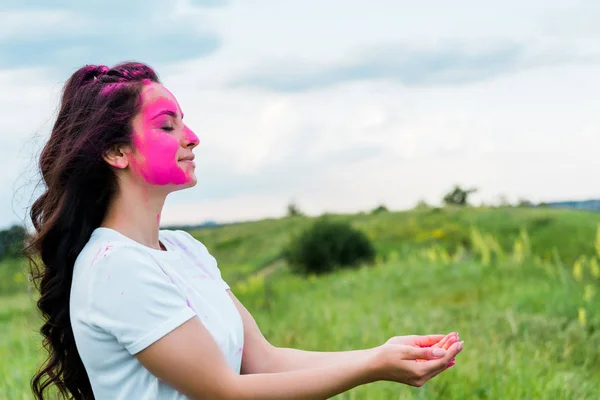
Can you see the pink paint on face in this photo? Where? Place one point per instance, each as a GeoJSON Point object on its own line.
{"type": "Point", "coordinates": [161, 140]}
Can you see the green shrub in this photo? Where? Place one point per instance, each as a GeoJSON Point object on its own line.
{"type": "Point", "coordinates": [328, 245]}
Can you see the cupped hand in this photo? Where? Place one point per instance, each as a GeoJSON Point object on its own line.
{"type": "Point", "coordinates": [433, 341]}
{"type": "Point", "coordinates": [396, 362]}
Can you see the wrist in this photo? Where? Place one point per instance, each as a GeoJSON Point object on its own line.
{"type": "Point", "coordinates": [375, 361]}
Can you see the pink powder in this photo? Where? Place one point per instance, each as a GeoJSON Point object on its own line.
{"type": "Point", "coordinates": [95, 257]}
{"type": "Point", "coordinates": [159, 149]}
{"type": "Point", "coordinates": [170, 242]}
{"type": "Point", "coordinates": [107, 249]}
{"type": "Point", "coordinates": [206, 272]}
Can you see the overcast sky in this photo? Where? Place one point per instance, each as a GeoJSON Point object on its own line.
{"type": "Point", "coordinates": [337, 105]}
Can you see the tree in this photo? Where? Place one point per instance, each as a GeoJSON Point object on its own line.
{"type": "Point", "coordinates": [458, 196]}
{"type": "Point", "coordinates": [422, 205]}
{"type": "Point", "coordinates": [525, 203]}
{"type": "Point", "coordinates": [12, 241]}
{"type": "Point", "coordinates": [379, 209]}
{"type": "Point", "coordinates": [293, 210]}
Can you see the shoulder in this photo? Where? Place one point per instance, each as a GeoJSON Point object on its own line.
{"type": "Point", "coordinates": [106, 246]}
{"type": "Point", "coordinates": [182, 239]}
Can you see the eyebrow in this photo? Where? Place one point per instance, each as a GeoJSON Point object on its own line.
{"type": "Point", "coordinates": [167, 112]}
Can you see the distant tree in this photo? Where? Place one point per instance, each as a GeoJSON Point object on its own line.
{"type": "Point", "coordinates": [503, 201]}
{"type": "Point", "coordinates": [379, 209]}
{"type": "Point", "coordinates": [293, 210]}
{"type": "Point", "coordinates": [12, 241]}
{"type": "Point", "coordinates": [525, 203]}
{"type": "Point", "coordinates": [422, 205]}
{"type": "Point", "coordinates": [458, 196]}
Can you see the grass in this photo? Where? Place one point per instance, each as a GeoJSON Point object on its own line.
{"type": "Point", "coordinates": [522, 335]}
{"type": "Point", "coordinates": [519, 312]}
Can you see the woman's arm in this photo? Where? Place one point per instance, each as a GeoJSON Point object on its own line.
{"type": "Point", "coordinates": [261, 357]}
{"type": "Point", "coordinates": [189, 360]}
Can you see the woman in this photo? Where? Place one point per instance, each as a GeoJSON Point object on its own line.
{"type": "Point", "coordinates": [134, 312]}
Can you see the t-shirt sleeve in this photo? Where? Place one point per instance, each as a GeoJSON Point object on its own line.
{"type": "Point", "coordinates": [134, 300]}
{"type": "Point", "coordinates": [209, 259]}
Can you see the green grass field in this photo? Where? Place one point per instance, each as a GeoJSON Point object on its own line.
{"type": "Point", "coordinates": [527, 306]}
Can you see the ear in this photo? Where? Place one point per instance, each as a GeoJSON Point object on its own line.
{"type": "Point", "coordinates": [117, 157]}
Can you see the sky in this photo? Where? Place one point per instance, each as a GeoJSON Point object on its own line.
{"type": "Point", "coordinates": [338, 106]}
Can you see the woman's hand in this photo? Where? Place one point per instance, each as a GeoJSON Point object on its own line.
{"type": "Point", "coordinates": [433, 341]}
{"type": "Point", "coordinates": [396, 360]}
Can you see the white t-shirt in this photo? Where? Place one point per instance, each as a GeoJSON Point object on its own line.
{"type": "Point", "coordinates": [125, 296]}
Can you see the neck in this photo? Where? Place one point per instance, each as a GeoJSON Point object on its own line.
{"type": "Point", "coordinates": [135, 213]}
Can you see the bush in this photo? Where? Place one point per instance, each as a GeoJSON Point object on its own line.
{"type": "Point", "coordinates": [379, 209]}
{"type": "Point", "coordinates": [328, 245]}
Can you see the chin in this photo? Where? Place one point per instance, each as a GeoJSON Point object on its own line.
{"type": "Point", "coordinates": [182, 186]}
{"type": "Point", "coordinates": [189, 184]}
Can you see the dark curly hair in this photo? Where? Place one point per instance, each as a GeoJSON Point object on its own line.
{"type": "Point", "coordinates": [96, 109]}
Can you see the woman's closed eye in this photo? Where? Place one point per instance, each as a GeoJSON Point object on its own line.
{"type": "Point", "coordinates": [167, 128]}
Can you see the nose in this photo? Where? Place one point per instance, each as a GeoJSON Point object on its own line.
{"type": "Point", "coordinates": [190, 139]}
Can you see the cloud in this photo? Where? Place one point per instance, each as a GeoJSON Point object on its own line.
{"type": "Point", "coordinates": [447, 64]}
{"type": "Point", "coordinates": [68, 34]}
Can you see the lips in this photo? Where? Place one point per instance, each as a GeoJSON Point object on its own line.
{"type": "Point", "coordinates": [188, 160]}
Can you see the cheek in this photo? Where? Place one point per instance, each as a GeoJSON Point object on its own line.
{"type": "Point", "coordinates": [157, 162]}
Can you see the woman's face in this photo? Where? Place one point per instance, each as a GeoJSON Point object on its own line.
{"type": "Point", "coordinates": [162, 153]}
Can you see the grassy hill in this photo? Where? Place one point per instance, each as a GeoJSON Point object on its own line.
{"type": "Point", "coordinates": [525, 304]}
{"type": "Point", "coordinates": [243, 248]}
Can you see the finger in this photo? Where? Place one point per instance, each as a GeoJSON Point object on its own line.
{"type": "Point", "coordinates": [439, 363]}
{"type": "Point", "coordinates": [428, 340]}
{"type": "Point", "coordinates": [449, 357]}
{"type": "Point", "coordinates": [435, 367]}
{"type": "Point", "coordinates": [444, 340]}
{"type": "Point", "coordinates": [423, 353]}
{"type": "Point", "coordinates": [450, 342]}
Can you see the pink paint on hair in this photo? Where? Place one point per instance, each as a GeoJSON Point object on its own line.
{"type": "Point", "coordinates": [111, 87]}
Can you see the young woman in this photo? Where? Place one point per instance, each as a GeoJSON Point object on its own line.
{"type": "Point", "coordinates": [134, 312]}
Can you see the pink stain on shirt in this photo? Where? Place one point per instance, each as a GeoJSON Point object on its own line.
{"type": "Point", "coordinates": [170, 242]}
{"type": "Point", "coordinates": [107, 249]}
{"type": "Point", "coordinates": [95, 257]}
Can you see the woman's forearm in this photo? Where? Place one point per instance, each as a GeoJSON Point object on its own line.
{"type": "Point", "coordinates": [308, 384]}
{"type": "Point", "coordinates": [287, 359]}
